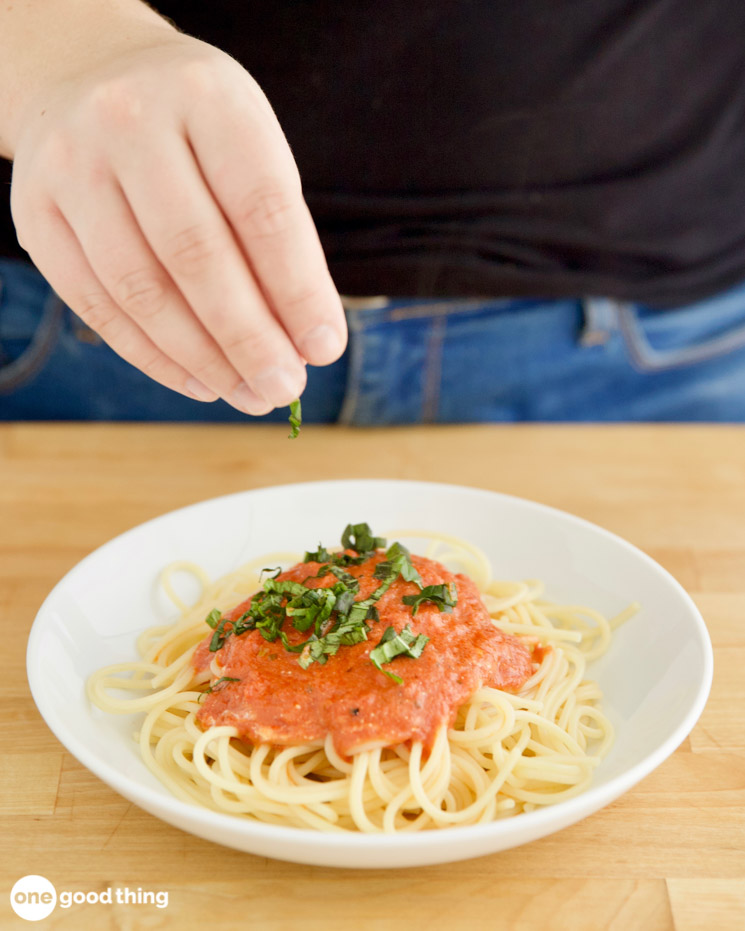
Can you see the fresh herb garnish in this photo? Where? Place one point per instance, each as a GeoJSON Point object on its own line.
{"type": "Point", "coordinates": [393, 644]}
{"type": "Point", "coordinates": [296, 418]}
{"type": "Point", "coordinates": [220, 635]}
{"type": "Point", "coordinates": [398, 562]}
{"type": "Point", "coordinates": [320, 555]}
{"type": "Point", "coordinates": [331, 615]}
{"type": "Point", "coordinates": [272, 572]}
{"type": "Point", "coordinates": [445, 597]}
{"type": "Point", "coordinates": [217, 686]}
{"type": "Point", "coordinates": [359, 537]}
{"type": "Point", "coordinates": [213, 618]}
{"type": "Point", "coordinates": [345, 632]}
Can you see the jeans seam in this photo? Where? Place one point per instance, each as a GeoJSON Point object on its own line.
{"type": "Point", "coordinates": [647, 359]}
{"type": "Point", "coordinates": [356, 350]}
{"type": "Point", "coordinates": [432, 375]}
{"type": "Point", "coordinates": [31, 361]}
{"type": "Point", "coordinates": [441, 308]}
{"type": "Point", "coordinates": [437, 307]}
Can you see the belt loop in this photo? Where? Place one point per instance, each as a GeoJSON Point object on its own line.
{"type": "Point", "coordinates": [600, 321]}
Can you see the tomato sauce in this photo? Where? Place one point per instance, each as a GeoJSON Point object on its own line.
{"type": "Point", "coordinates": [278, 702]}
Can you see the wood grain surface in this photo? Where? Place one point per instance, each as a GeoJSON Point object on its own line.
{"type": "Point", "coordinates": [668, 855]}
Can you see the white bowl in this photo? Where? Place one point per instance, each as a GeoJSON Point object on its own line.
{"type": "Point", "coordinates": [655, 678]}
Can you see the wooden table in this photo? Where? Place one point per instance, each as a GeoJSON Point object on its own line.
{"type": "Point", "coordinates": [669, 854]}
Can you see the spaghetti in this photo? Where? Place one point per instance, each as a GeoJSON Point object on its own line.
{"type": "Point", "coordinates": [500, 753]}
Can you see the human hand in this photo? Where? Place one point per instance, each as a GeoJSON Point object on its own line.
{"type": "Point", "coordinates": [156, 193]}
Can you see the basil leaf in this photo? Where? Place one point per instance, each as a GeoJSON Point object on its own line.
{"type": "Point", "coordinates": [359, 537]}
{"type": "Point", "coordinates": [344, 601]}
{"type": "Point", "coordinates": [291, 648]}
{"type": "Point", "coordinates": [384, 571]}
{"type": "Point", "coordinates": [277, 570]}
{"type": "Point", "coordinates": [213, 618]}
{"type": "Point", "coordinates": [217, 686]}
{"type": "Point", "coordinates": [220, 636]}
{"type": "Point", "coordinates": [220, 684]}
{"type": "Point", "coordinates": [444, 597]}
{"type": "Point", "coordinates": [296, 418]}
{"type": "Point", "coordinates": [285, 588]}
{"type": "Point", "coordinates": [400, 558]}
{"type": "Point", "coordinates": [392, 644]}
{"type": "Point", "coordinates": [349, 581]}
{"type": "Point", "coordinates": [313, 607]}
{"type": "Point", "coordinates": [320, 555]}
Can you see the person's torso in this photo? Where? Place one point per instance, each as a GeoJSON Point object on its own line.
{"type": "Point", "coordinates": [494, 147]}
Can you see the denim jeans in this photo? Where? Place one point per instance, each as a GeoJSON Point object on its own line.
{"type": "Point", "coordinates": [414, 361]}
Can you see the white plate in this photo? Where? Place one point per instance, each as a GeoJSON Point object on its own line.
{"type": "Point", "coordinates": [655, 678]}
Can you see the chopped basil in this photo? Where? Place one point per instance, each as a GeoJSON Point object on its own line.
{"type": "Point", "coordinates": [220, 683]}
{"type": "Point", "coordinates": [329, 569]}
{"type": "Point", "coordinates": [320, 555]}
{"type": "Point", "coordinates": [398, 562]}
{"type": "Point", "coordinates": [345, 601]}
{"type": "Point", "coordinates": [349, 580]}
{"type": "Point", "coordinates": [213, 618]}
{"type": "Point", "coordinates": [217, 686]}
{"type": "Point", "coordinates": [345, 633]}
{"type": "Point", "coordinates": [286, 587]}
{"type": "Point", "coordinates": [445, 597]}
{"type": "Point", "coordinates": [392, 644]}
{"type": "Point", "coordinates": [272, 573]}
{"type": "Point", "coordinates": [330, 615]}
{"type": "Point", "coordinates": [296, 418]}
{"type": "Point", "coordinates": [312, 608]}
{"type": "Point", "coordinates": [359, 537]}
{"type": "Point", "coordinates": [220, 636]}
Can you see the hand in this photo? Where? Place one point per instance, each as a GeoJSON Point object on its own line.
{"type": "Point", "coordinates": [156, 193]}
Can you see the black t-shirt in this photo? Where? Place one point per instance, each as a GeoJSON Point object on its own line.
{"type": "Point", "coordinates": [494, 147]}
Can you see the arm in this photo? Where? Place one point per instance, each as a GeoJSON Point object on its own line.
{"type": "Point", "coordinates": [154, 189]}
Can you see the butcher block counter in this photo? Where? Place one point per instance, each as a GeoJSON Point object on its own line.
{"type": "Point", "coordinates": [670, 854]}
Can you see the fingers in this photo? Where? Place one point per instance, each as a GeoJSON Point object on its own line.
{"type": "Point", "coordinates": [60, 258]}
{"type": "Point", "coordinates": [138, 284]}
{"type": "Point", "coordinates": [162, 202]}
{"type": "Point", "coordinates": [188, 233]}
{"type": "Point", "coordinates": [256, 183]}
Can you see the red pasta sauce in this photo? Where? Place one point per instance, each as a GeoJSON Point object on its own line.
{"type": "Point", "coordinates": [278, 702]}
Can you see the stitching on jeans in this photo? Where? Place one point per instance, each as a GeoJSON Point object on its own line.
{"type": "Point", "coordinates": [647, 359]}
{"type": "Point", "coordinates": [444, 308]}
{"type": "Point", "coordinates": [433, 370]}
{"type": "Point", "coordinates": [354, 370]}
{"type": "Point", "coordinates": [2, 351]}
{"type": "Point", "coordinates": [30, 363]}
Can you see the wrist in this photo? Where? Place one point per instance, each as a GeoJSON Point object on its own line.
{"type": "Point", "coordinates": [43, 48]}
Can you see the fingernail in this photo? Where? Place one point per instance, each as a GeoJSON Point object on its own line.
{"type": "Point", "coordinates": [279, 386]}
{"type": "Point", "coordinates": [199, 391]}
{"type": "Point", "coordinates": [248, 401]}
{"type": "Point", "coordinates": [322, 345]}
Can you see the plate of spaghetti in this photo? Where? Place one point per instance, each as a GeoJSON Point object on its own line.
{"type": "Point", "coordinates": [369, 673]}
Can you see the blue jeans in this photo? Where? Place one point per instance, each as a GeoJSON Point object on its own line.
{"type": "Point", "coordinates": [414, 361]}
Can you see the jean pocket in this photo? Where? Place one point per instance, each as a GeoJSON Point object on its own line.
{"type": "Point", "coordinates": [20, 368]}
{"type": "Point", "coordinates": [661, 340]}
